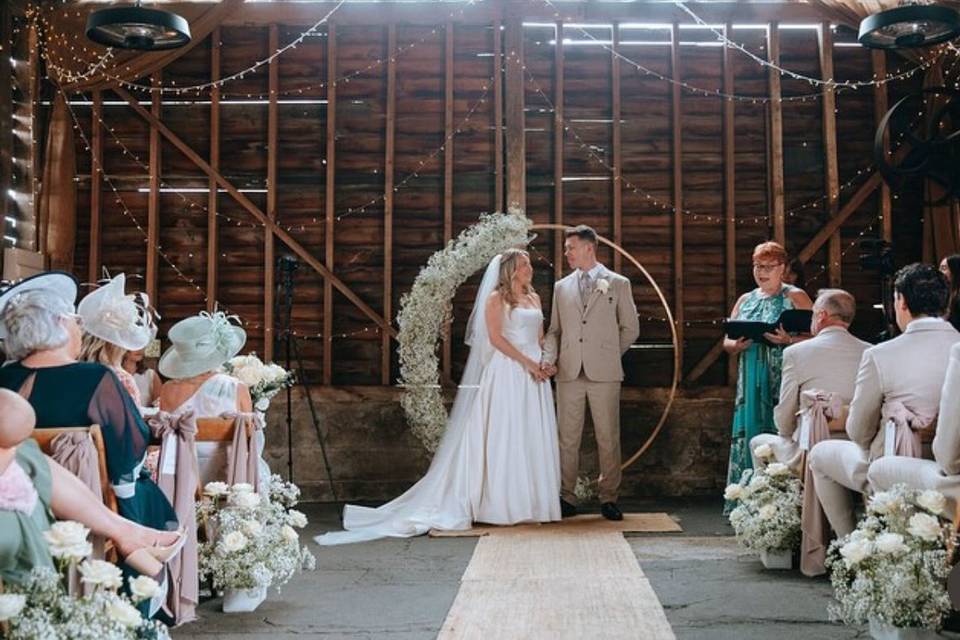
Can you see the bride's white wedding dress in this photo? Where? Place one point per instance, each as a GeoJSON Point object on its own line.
{"type": "Point", "coordinates": [498, 462]}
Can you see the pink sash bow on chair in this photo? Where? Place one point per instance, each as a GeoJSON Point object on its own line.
{"type": "Point", "coordinates": [177, 476]}
{"type": "Point", "coordinates": [901, 430]}
{"type": "Point", "coordinates": [817, 409]}
{"type": "Point", "coordinates": [77, 453]}
{"type": "Point", "coordinates": [244, 455]}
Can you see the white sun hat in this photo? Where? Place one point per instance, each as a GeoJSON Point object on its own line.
{"type": "Point", "coordinates": [110, 314]}
{"type": "Point", "coordinates": [59, 282]}
{"type": "Point", "coordinates": [201, 343]}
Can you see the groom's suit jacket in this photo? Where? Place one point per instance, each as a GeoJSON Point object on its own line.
{"type": "Point", "coordinates": [591, 338]}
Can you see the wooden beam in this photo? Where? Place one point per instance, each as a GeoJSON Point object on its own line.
{"type": "Point", "coordinates": [830, 160]}
{"type": "Point", "coordinates": [153, 200]}
{"type": "Point", "coordinates": [677, 164]}
{"type": "Point", "coordinates": [255, 212]}
{"type": "Point", "coordinates": [33, 112]}
{"type": "Point", "coordinates": [96, 185]}
{"type": "Point", "coordinates": [835, 223]}
{"type": "Point", "coordinates": [776, 136]}
{"type": "Point", "coordinates": [880, 107]}
{"type": "Point", "coordinates": [498, 114]}
{"type": "Point", "coordinates": [273, 142]}
{"type": "Point", "coordinates": [729, 192]}
{"type": "Point", "coordinates": [388, 171]}
{"type": "Point", "coordinates": [6, 108]}
{"type": "Point", "coordinates": [617, 148]}
{"type": "Point", "coordinates": [447, 172]}
{"type": "Point", "coordinates": [516, 141]}
{"type": "Point", "coordinates": [213, 233]}
{"type": "Point", "coordinates": [705, 363]}
{"type": "Point", "coordinates": [558, 140]}
{"type": "Point", "coordinates": [329, 196]}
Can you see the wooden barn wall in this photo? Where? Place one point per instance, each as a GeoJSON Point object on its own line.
{"type": "Point", "coordinates": [444, 172]}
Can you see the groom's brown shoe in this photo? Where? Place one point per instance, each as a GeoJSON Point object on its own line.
{"type": "Point", "coordinates": [567, 510]}
{"type": "Point", "coordinates": [611, 511]}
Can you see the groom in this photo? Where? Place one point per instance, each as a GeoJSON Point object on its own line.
{"type": "Point", "coordinates": [594, 320]}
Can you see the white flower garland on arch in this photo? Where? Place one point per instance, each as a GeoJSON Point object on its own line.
{"type": "Point", "coordinates": [426, 308]}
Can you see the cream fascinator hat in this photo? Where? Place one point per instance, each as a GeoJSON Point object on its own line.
{"type": "Point", "coordinates": [120, 319]}
{"type": "Point", "coordinates": [201, 343]}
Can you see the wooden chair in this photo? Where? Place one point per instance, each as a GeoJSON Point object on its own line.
{"type": "Point", "coordinates": [220, 430]}
{"type": "Point", "coordinates": [45, 436]}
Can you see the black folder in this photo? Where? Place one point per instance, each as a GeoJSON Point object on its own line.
{"type": "Point", "coordinates": [792, 320]}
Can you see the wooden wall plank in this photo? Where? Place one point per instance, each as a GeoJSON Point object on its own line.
{"type": "Point", "coordinates": [96, 186]}
{"type": "Point", "coordinates": [776, 136]}
{"type": "Point", "coordinates": [880, 107]}
{"type": "Point", "coordinates": [273, 142]}
{"type": "Point", "coordinates": [677, 169]}
{"type": "Point", "coordinates": [831, 162]}
{"type": "Point", "coordinates": [390, 135]}
{"type": "Point", "coordinates": [6, 107]}
{"type": "Point", "coordinates": [153, 205]}
{"type": "Point", "coordinates": [617, 148]}
{"type": "Point", "coordinates": [213, 233]}
{"type": "Point", "coordinates": [516, 138]}
{"type": "Point", "coordinates": [329, 198]}
{"type": "Point", "coordinates": [558, 139]}
{"type": "Point", "coordinates": [447, 173]}
{"type": "Point", "coordinates": [498, 113]}
{"type": "Point", "coordinates": [729, 192]}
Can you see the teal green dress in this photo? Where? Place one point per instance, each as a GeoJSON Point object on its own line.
{"type": "Point", "coordinates": [22, 546]}
{"type": "Point", "coordinates": [758, 381]}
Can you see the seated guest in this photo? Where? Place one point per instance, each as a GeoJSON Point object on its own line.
{"type": "Point", "coordinates": [201, 345]}
{"type": "Point", "coordinates": [114, 324]}
{"type": "Point", "coordinates": [42, 335]}
{"type": "Point", "coordinates": [828, 362]}
{"type": "Point", "coordinates": [908, 370]}
{"type": "Point", "coordinates": [943, 472]}
{"type": "Point", "coordinates": [34, 489]}
{"type": "Point", "coordinates": [146, 378]}
{"type": "Point", "coordinates": [950, 267]}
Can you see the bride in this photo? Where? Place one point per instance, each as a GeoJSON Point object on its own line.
{"type": "Point", "coordinates": [498, 461]}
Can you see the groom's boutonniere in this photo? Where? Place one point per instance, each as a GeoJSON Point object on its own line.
{"type": "Point", "coordinates": [602, 285]}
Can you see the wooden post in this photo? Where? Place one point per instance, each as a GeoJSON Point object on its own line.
{"type": "Point", "coordinates": [729, 193]}
{"type": "Point", "coordinates": [879, 110]}
{"type": "Point", "coordinates": [6, 108]}
{"type": "Point", "coordinates": [516, 141]}
{"type": "Point", "coordinates": [776, 136]}
{"type": "Point", "coordinates": [273, 141]}
{"type": "Point", "coordinates": [558, 139]}
{"type": "Point", "coordinates": [96, 184]}
{"type": "Point", "coordinates": [36, 170]}
{"type": "Point", "coordinates": [153, 201]}
{"type": "Point", "coordinates": [447, 172]}
{"type": "Point", "coordinates": [330, 192]}
{"type": "Point", "coordinates": [617, 149]}
{"type": "Point", "coordinates": [498, 113]}
{"type": "Point", "coordinates": [213, 239]}
{"type": "Point", "coordinates": [677, 162]}
{"type": "Point", "coordinates": [388, 170]}
{"type": "Point", "coordinates": [830, 161]}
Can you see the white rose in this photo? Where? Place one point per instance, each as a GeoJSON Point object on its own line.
{"type": "Point", "coordinates": [891, 543]}
{"type": "Point", "coordinates": [767, 511]}
{"type": "Point", "coordinates": [124, 612]}
{"type": "Point", "coordinates": [932, 501]}
{"type": "Point", "coordinates": [252, 528]}
{"type": "Point", "coordinates": [884, 502]}
{"type": "Point", "coordinates": [764, 451]}
{"type": "Point", "coordinates": [233, 541]}
{"type": "Point", "coordinates": [288, 533]}
{"type": "Point", "coordinates": [856, 551]}
{"type": "Point", "coordinates": [758, 481]}
{"type": "Point", "coordinates": [299, 520]}
{"type": "Point", "coordinates": [216, 489]}
{"type": "Point", "coordinates": [242, 487]}
{"type": "Point", "coordinates": [276, 372]}
{"type": "Point", "coordinates": [602, 285]}
{"type": "Point", "coordinates": [247, 375]}
{"type": "Point", "coordinates": [101, 573]}
{"type": "Point", "coordinates": [11, 605]}
{"type": "Point", "coordinates": [777, 469]}
{"type": "Point", "coordinates": [733, 492]}
{"type": "Point", "coordinates": [262, 404]}
{"type": "Point", "coordinates": [68, 540]}
{"type": "Point", "coordinates": [143, 587]}
{"type": "Point", "coordinates": [244, 500]}
{"type": "Point", "coordinates": [924, 526]}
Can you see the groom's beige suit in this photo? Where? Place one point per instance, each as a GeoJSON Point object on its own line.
{"type": "Point", "coordinates": [591, 327]}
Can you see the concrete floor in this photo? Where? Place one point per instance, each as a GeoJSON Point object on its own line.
{"type": "Point", "coordinates": [402, 589]}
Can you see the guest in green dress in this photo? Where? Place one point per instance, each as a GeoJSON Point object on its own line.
{"type": "Point", "coordinates": [758, 379]}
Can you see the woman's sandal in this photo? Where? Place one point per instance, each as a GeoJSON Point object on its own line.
{"type": "Point", "coordinates": [149, 561]}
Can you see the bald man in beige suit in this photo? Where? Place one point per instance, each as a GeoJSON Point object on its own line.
{"type": "Point", "coordinates": [943, 472]}
{"type": "Point", "coordinates": [593, 322]}
{"type": "Point", "coordinates": [826, 362]}
{"type": "Point", "coordinates": [909, 369]}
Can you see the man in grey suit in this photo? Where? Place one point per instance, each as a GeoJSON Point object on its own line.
{"type": "Point", "coordinates": [908, 369]}
{"type": "Point", "coordinates": [827, 362]}
{"type": "Point", "coordinates": [593, 322]}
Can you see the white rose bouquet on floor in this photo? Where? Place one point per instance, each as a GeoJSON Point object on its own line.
{"type": "Point", "coordinates": [767, 515]}
{"type": "Point", "coordinates": [255, 541]}
{"type": "Point", "coordinates": [264, 380]}
{"type": "Point", "coordinates": [892, 569]}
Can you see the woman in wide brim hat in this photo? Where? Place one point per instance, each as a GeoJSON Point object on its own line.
{"type": "Point", "coordinates": [113, 324]}
{"type": "Point", "coordinates": [201, 345]}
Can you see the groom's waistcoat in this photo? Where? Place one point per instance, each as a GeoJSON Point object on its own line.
{"type": "Point", "coordinates": [591, 338]}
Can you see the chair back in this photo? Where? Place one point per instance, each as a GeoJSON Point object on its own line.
{"type": "Point", "coordinates": [45, 436]}
{"type": "Point", "coordinates": [215, 429]}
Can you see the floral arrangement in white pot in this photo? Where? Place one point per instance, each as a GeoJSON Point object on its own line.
{"type": "Point", "coordinates": [767, 514]}
{"type": "Point", "coordinates": [253, 542]}
{"type": "Point", "coordinates": [891, 571]}
{"type": "Point", "coordinates": [264, 380]}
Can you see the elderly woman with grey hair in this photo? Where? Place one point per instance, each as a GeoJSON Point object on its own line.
{"type": "Point", "coordinates": [42, 337]}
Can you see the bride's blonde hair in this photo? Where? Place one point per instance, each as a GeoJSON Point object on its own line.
{"type": "Point", "coordinates": [509, 262]}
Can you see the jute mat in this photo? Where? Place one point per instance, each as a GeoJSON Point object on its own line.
{"type": "Point", "coordinates": [632, 523]}
{"type": "Point", "coordinates": [551, 583]}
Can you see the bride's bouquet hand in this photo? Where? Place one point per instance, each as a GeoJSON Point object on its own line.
{"type": "Point", "coordinates": [534, 369]}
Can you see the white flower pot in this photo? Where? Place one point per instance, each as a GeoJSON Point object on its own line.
{"type": "Point", "coordinates": [777, 559]}
{"type": "Point", "coordinates": [883, 631]}
{"type": "Point", "coordinates": [243, 600]}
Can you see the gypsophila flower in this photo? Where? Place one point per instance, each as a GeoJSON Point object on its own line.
{"type": "Point", "coordinates": [767, 514]}
{"type": "Point", "coordinates": [288, 533]}
{"type": "Point", "coordinates": [296, 519]}
{"type": "Point", "coordinates": [252, 528]}
{"type": "Point", "coordinates": [732, 492]}
{"type": "Point", "coordinates": [11, 604]}
{"type": "Point", "coordinates": [241, 487]}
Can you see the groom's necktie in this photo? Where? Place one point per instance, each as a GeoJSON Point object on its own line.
{"type": "Point", "coordinates": [584, 287]}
